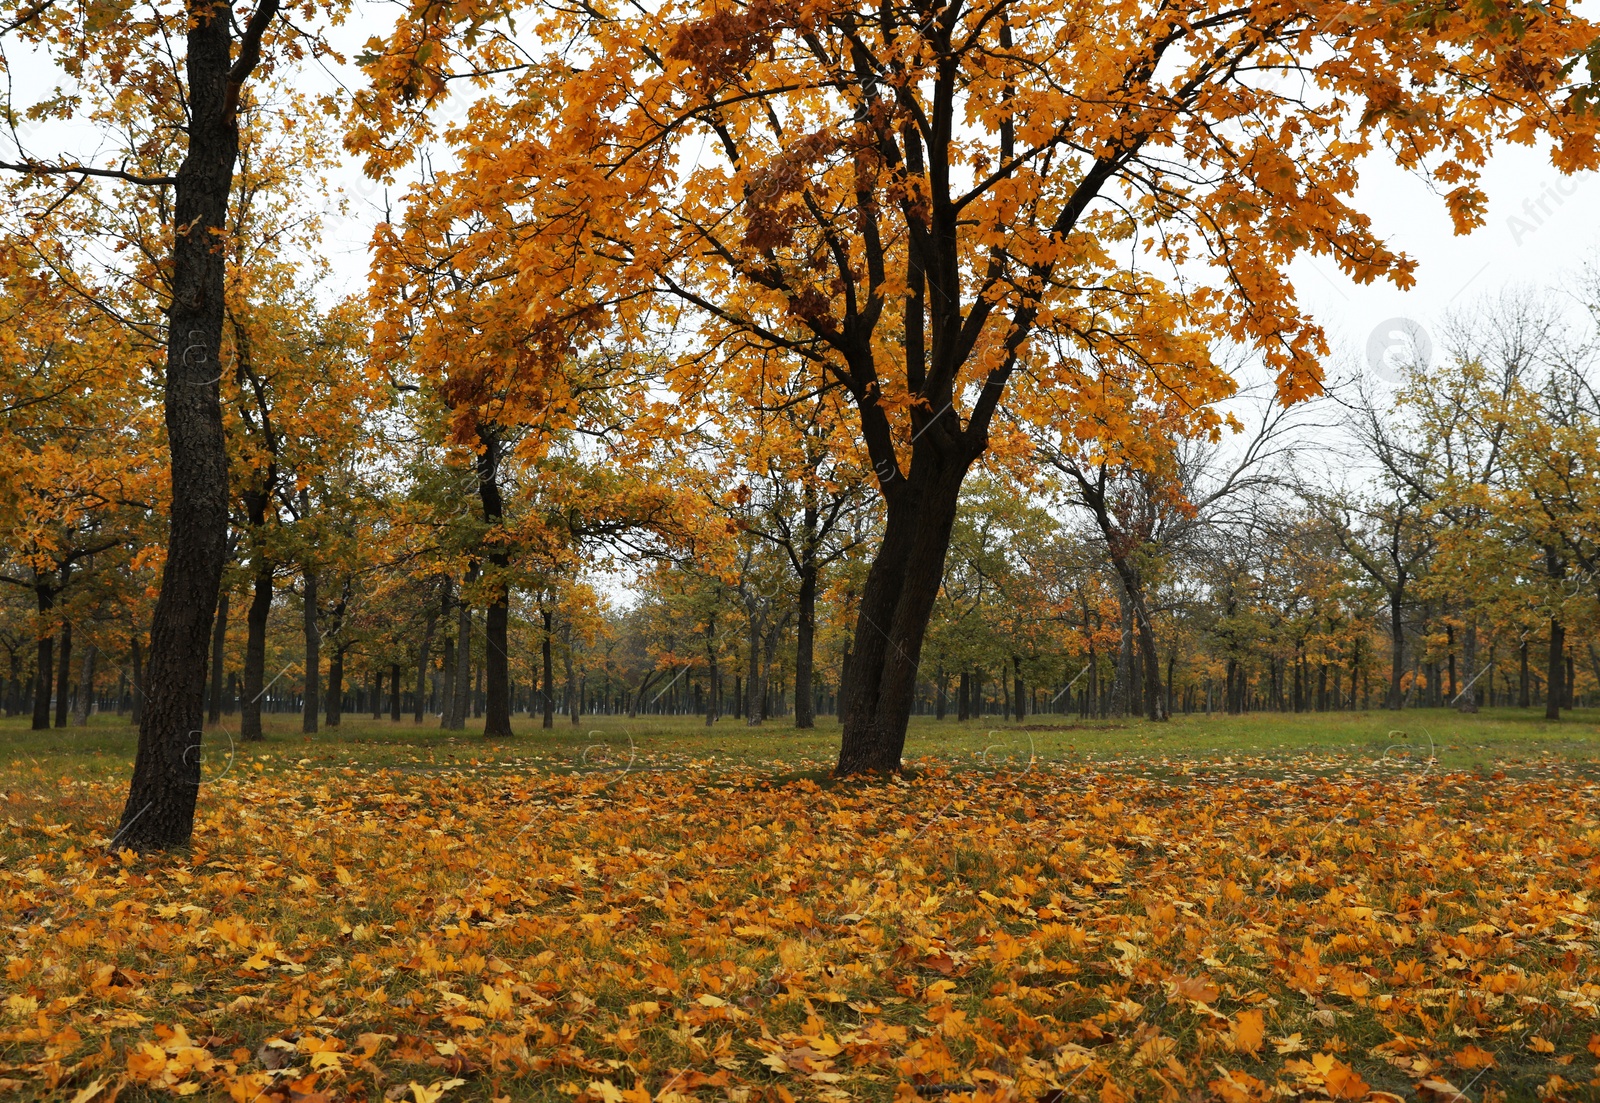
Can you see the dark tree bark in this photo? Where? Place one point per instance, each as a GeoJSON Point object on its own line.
{"type": "Point", "coordinates": [1469, 666]}
{"type": "Point", "coordinates": [64, 674]}
{"type": "Point", "coordinates": [896, 603]}
{"type": "Point", "coordinates": [713, 677]}
{"type": "Point", "coordinates": [1522, 680]}
{"type": "Point", "coordinates": [394, 692]}
{"type": "Point", "coordinates": [334, 703]}
{"type": "Point", "coordinates": [1555, 671]}
{"type": "Point", "coordinates": [136, 660]}
{"type": "Point", "coordinates": [85, 702]}
{"type": "Point", "coordinates": [447, 692]}
{"type": "Point", "coordinates": [219, 639]}
{"type": "Point", "coordinates": [313, 637]}
{"type": "Point", "coordinates": [496, 646]}
{"type": "Point", "coordinates": [461, 699]}
{"type": "Point", "coordinates": [964, 697]}
{"type": "Point", "coordinates": [549, 670]}
{"type": "Point", "coordinates": [574, 696]}
{"type": "Point", "coordinates": [1020, 695]}
{"type": "Point", "coordinates": [335, 706]}
{"type": "Point", "coordinates": [255, 650]}
{"type": "Point", "coordinates": [159, 813]}
{"type": "Point", "coordinates": [754, 683]}
{"type": "Point", "coordinates": [45, 661]}
{"type": "Point", "coordinates": [805, 714]}
{"type": "Point", "coordinates": [424, 654]}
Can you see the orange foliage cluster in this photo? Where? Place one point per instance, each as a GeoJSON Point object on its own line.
{"type": "Point", "coordinates": [678, 934]}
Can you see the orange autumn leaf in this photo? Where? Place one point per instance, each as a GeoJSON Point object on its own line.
{"type": "Point", "coordinates": [1247, 1031]}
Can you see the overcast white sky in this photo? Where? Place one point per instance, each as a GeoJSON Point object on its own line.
{"type": "Point", "coordinates": [1542, 227]}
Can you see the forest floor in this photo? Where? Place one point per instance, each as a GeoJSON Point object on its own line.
{"type": "Point", "coordinates": [1354, 906]}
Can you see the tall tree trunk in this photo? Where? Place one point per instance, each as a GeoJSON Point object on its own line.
{"type": "Point", "coordinates": [336, 686]}
{"type": "Point", "coordinates": [447, 691]}
{"type": "Point", "coordinates": [1397, 647]}
{"type": "Point", "coordinates": [463, 676]}
{"type": "Point", "coordinates": [1522, 680]}
{"type": "Point", "coordinates": [964, 697]}
{"type": "Point", "coordinates": [45, 660]}
{"type": "Point", "coordinates": [496, 663]}
{"type": "Point", "coordinates": [754, 684]}
{"type": "Point", "coordinates": [85, 702]}
{"type": "Point", "coordinates": [159, 813]}
{"type": "Point", "coordinates": [424, 654]}
{"type": "Point", "coordinates": [1556, 670]}
{"type": "Point", "coordinates": [219, 640]}
{"type": "Point", "coordinates": [497, 616]}
{"type": "Point", "coordinates": [574, 697]}
{"type": "Point", "coordinates": [394, 692]}
{"type": "Point", "coordinates": [896, 603]}
{"type": "Point", "coordinates": [1122, 693]}
{"type": "Point", "coordinates": [1469, 666]}
{"type": "Point", "coordinates": [313, 635]}
{"type": "Point", "coordinates": [255, 651]}
{"type": "Point", "coordinates": [805, 713]}
{"type": "Point", "coordinates": [1450, 647]}
{"type": "Point", "coordinates": [64, 674]}
{"type": "Point", "coordinates": [1020, 695]}
{"type": "Point", "coordinates": [136, 661]}
{"type": "Point", "coordinates": [549, 670]}
{"type": "Point", "coordinates": [713, 677]}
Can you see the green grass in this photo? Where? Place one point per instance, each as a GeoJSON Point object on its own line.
{"type": "Point", "coordinates": [1511, 740]}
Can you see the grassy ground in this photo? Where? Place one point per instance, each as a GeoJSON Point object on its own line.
{"type": "Point", "coordinates": [1509, 740]}
{"type": "Point", "coordinates": [1249, 909]}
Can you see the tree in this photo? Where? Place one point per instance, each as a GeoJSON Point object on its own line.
{"type": "Point", "coordinates": [927, 206]}
{"type": "Point", "coordinates": [159, 813]}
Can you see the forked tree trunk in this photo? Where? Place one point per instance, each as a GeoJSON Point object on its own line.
{"type": "Point", "coordinates": [895, 606]}
{"type": "Point", "coordinates": [159, 813]}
